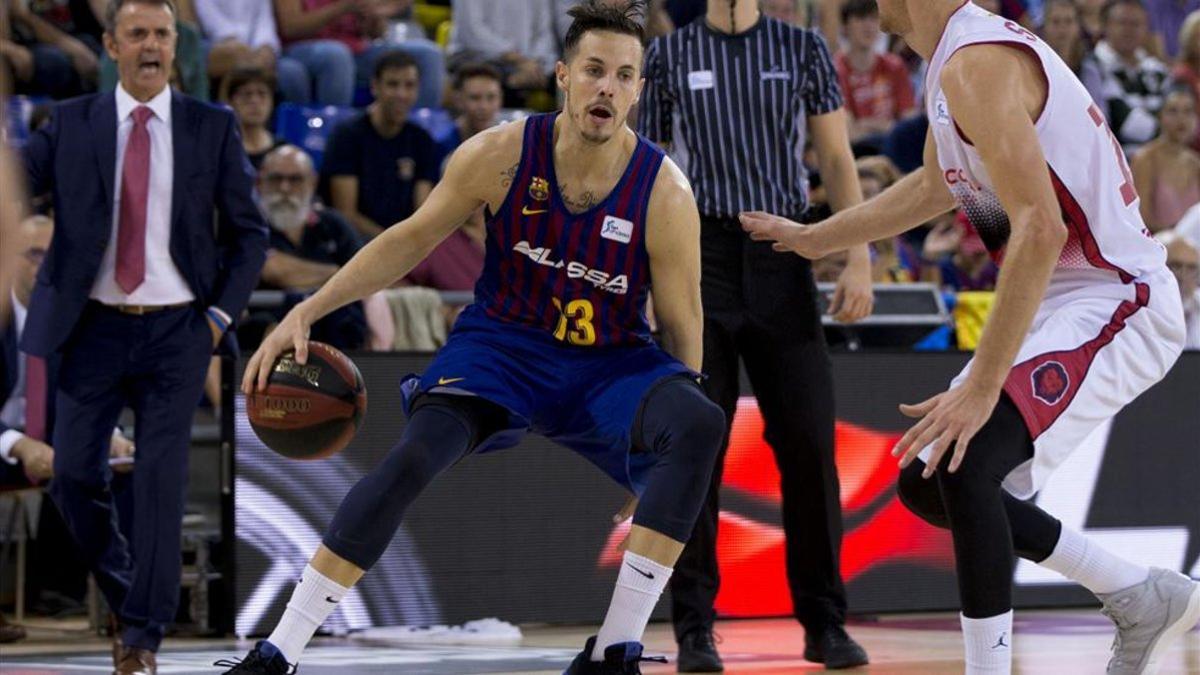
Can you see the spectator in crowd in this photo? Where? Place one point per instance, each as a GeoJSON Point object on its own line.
{"type": "Point", "coordinates": [1017, 10]}
{"type": "Point", "coordinates": [893, 260]}
{"type": "Point", "coordinates": [1166, 18]}
{"type": "Point", "coordinates": [250, 92]}
{"type": "Point", "coordinates": [339, 41]}
{"type": "Point", "coordinates": [1166, 170]}
{"type": "Point", "coordinates": [1183, 259]}
{"type": "Point", "coordinates": [243, 34]}
{"type": "Point", "coordinates": [53, 52]}
{"type": "Point", "coordinates": [1134, 81]}
{"type": "Point", "coordinates": [517, 38]}
{"type": "Point", "coordinates": [477, 96]}
{"type": "Point", "coordinates": [792, 12]}
{"type": "Point", "coordinates": [1063, 31]}
{"type": "Point", "coordinates": [959, 257]}
{"type": "Point", "coordinates": [1187, 68]}
{"type": "Point", "coordinates": [1091, 18]}
{"type": "Point", "coordinates": [309, 244]}
{"type": "Point", "coordinates": [27, 392]}
{"type": "Point", "coordinates": [379, 167]}
{"type": "Point", "coordinates": [876, 86]}
{"type": "Point", "coordinates": [456, 263]}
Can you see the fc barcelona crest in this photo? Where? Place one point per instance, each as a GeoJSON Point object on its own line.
{"type": "Point", "coordinates": [539, 189]}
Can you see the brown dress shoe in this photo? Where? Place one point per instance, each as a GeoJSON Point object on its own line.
{"type": "Point", "coordinates": [136, 661]}
{"type": "Point", "coordinates": [10, 632]}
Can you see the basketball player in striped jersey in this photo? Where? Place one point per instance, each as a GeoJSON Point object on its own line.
{"type": "Point", "coordinates": [582, 215]}
{"type": "Point", "coordinates": [1086, 318]}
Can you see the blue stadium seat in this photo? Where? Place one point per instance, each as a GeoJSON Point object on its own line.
{"type": "Point", "coordinates": [17, 114]}
{"type": "Point", "coordinates": [310, 126]}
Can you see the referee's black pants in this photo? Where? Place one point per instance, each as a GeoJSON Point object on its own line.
{"type": "Point", "coordinates": [762, 306]}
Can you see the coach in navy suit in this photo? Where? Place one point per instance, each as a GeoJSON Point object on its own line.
{"type": "Point", "coordinates": [158, 245]}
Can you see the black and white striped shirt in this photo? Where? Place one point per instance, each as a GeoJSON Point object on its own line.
{"type": "Point", "coordinates": [734, 110]}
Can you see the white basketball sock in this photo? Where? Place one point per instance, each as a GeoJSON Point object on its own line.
{"type": "Point", "coordinates": [988, 644]}
{"type": "Point", "coordinates": [313, 600]}
{"type": "Point", "coordinates": [639, 584]}
{"type": "Point", "coordinates": [1087, 563]}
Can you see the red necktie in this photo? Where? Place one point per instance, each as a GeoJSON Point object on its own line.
{"type": "Point", "coordinates": [35, 397]}
{"type": "Point", "coordinates": [135, 192]}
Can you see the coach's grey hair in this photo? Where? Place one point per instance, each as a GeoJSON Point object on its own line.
{"type": "Point", "coordinates": [114, 6]}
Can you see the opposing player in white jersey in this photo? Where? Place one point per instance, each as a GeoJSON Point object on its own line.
{"type": "Point", "coordinates": [1086, 318]}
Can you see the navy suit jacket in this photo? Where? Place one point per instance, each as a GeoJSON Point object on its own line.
{"type": "Point", "coordinates": [14, 475]}
{"type": "Point", "coordinates": [74, 156]}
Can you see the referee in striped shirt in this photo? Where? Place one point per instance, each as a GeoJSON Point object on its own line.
{"type": "Point", "coordinates": [733, 96]}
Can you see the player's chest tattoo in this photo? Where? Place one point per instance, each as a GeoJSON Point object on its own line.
{"type": "Point", "coordinates": [578, 201]}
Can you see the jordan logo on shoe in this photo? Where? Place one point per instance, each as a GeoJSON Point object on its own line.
{"type": "Point", "coordinates": [1001, 643]}
{"type": "Point", "coordinates": [648, 575]}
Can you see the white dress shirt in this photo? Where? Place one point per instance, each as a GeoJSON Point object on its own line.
{"type": "Point", "coordinates": [163, 284]}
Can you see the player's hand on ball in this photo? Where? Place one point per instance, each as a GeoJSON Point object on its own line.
{"type": "Point", "coordinates": [788, 235]}
{"type": "Point", "coordinates": [290, 334]}
{"type": "Point", "coordinates": [952, 417]}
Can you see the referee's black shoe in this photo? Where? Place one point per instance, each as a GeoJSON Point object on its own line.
{"type": "Point", "coordinates": [833, 647]}
{"type": "Point", "coordinates": [698, 653]}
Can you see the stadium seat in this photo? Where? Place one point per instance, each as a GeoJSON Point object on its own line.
{"type": "Point", "coordinates": [310, 126]}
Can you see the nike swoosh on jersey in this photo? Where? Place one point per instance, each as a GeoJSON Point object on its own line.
{"type": "Point", "coordinates": [526, 212]}
{"type": "Point", "coordinates": [450, 380]}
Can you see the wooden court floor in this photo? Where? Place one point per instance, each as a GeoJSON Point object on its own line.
{"type": "Point", "coordinates": [1046, 642]}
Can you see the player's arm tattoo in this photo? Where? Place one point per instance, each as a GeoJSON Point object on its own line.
{"type": "Point", "coordinates": [508, 175]}
{"type": "Point", "coordinates": [578, 204]}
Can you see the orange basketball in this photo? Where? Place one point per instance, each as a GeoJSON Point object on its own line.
{"type": "Point", "coordinates": [309, 411]}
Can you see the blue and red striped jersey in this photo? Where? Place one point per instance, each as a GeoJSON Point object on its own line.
{"type": "Point", "coordinates": [582, 277]}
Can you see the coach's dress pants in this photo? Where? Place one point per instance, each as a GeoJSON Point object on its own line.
{"type": "Point", "coordinates": [154, 363]}
{"type": "Point", "coordinates": [761, 306]}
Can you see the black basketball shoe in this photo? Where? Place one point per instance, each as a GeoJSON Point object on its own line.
{"type": "Point", "coordinates": [265, 658]}
{"type": "Point", "coordinates": [619, 659]}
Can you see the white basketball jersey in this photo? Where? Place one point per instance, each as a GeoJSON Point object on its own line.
{"type": "Point", "coordinates": [1087, 166]}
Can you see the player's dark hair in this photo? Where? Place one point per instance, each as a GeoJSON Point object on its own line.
{"type": "Point", "coordinates": [392, 60]}
{"type": "Point", "coordinates": [114, 6]}
{"type": "Point", "coordinates": [474, 70]}
{"type": "Point", "coordinates": [1113, 4]}
{"type": "Point", "coordinates": [859, 9]}
{"type": "Point", "coordinates": [623, 17]}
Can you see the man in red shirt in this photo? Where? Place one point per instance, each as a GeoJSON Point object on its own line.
{"type": "Point", "coordinates": [876, 86]}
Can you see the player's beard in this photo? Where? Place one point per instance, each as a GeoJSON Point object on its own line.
{"type": "Point", "coordinates": [285, 212]}
{"type": "Point", "coordinates": [581, 121]}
